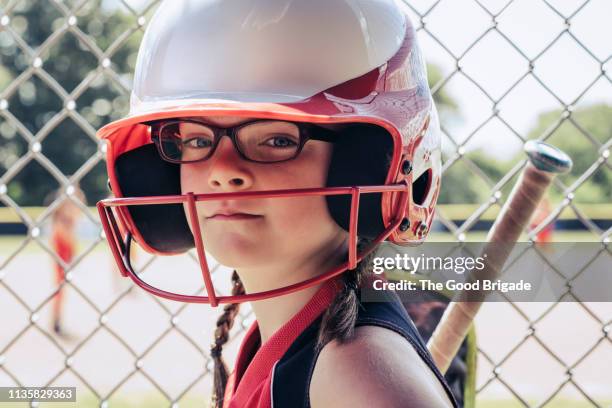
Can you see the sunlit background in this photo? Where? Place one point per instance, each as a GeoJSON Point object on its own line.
{"type": "Point", "coordinates": [503, 72]}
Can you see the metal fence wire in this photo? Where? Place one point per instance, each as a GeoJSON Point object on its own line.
{"type": "Point", "coordinates": [131, 340]}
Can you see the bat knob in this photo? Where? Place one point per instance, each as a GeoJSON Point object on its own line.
{"type": "Point", "coordinates": [547, 158]}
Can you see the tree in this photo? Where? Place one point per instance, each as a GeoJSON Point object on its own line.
{"type": "Point", "coordinates": [445, 102]}
{"type": "Point", "coordinates": [68, 61]}
{"type": "Point", "coordinates": [572, 136]}
{"type": "Point", "coordinates": [461, 184]}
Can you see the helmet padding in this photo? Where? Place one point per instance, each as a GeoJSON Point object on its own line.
{"type": "Point", "coordinates": [142, 172]}
{"type": "Point", "coordinates": [361, 157]}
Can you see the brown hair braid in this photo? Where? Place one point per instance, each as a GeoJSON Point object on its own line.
{"type": "Point", "coordinates": [224, 325]}
{"type": "Point", "coordinates": [338, 322]}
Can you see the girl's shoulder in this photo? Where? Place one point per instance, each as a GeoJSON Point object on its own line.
{"type": "Point", "coordinates": [377, 367]}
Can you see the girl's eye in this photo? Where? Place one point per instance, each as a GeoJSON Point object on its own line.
{"type": "Point", "coordinates": [198, 143]}
{"type": "Point", "coordinates": [280, 141]}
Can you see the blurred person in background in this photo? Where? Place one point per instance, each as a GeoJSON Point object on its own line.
{"type": "Point", "coordinates": [63, 242]}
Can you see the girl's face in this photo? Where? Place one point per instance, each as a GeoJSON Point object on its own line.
{"type": "Point", "coordinates": [266, 232]}
{"type": "Point", "coordinates": [66, 215]}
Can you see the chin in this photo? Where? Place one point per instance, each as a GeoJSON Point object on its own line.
{"type": "Point", "coordinates": [234, 251]}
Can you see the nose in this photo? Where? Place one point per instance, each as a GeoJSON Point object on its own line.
{"type": "Point", "coordinates": [226, 169]}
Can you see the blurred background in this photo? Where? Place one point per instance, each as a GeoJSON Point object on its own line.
{"type": "Point", "coordinates": [502, 72]}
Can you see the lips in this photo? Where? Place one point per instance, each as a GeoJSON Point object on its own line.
{"type": "Point", "coordinates": [229, 213]}
{"type": "Point", "coordinates": [230, 210]}
{"type": "Point", "coordinates": [234, 216]}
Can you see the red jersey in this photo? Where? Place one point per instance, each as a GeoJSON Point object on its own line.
{"type": "Point", "coordinates": [65, 248]}
{"type": "Point", "coordinates": [250, 383]}
{"type": "Point", "coordinates": [278, 373]}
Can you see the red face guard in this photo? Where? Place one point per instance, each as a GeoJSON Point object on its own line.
{"type": "Point", "coordinates": [120, 246]}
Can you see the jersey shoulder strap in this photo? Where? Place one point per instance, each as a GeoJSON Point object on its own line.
{"type": "Point", "coordinates": [293, 372]}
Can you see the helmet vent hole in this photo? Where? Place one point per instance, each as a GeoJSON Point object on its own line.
{"type": "Point", "coordinates": [420, 187]}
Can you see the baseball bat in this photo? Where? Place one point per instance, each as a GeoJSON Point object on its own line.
{"type": "Point", "coordinates": [545, 161]}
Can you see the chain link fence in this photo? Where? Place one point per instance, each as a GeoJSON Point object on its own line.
{"type": "Point", "coordinates": [127, 344]}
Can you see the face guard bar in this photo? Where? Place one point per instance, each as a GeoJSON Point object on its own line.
{"type": "Point", "coordinates": [120, 247]}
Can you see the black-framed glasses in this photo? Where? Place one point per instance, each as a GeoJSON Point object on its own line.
{"type": "Point", "coordinates": [260, 140]}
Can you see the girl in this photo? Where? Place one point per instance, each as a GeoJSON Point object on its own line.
{"type": "Point", "coordinates": [332, 146]}
{"type": "Point", "coordinates": [64, 243]}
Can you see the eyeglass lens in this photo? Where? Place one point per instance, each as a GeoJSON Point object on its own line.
{"type": "Point", "coordinates": [263, 141]}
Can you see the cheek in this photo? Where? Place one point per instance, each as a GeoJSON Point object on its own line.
{"type": "Point", "coordinates": [190, 182]}
{"type": "Point", "coordinates": [317, 158]}
{"type": "Point", "coordinates": [188, 179]}
{"type": "Point", "coordinates": [301, 226]}
{"type": "Point", "coordinates": [309, 169]}
{"type": "Point", "coordinates": [303, 214]}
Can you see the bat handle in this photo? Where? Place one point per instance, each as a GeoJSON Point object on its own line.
{"type": "Point", "coordinates": [544, 162]}
{"type": "Point", "coordinates": [516, 213]}
{"type": "Point", "coordinates": [457, 319]}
